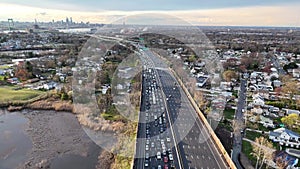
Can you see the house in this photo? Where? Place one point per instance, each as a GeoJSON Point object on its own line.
{"type": "Point", "coordinates": [50, 85]}
{"type": "Point", "coordinates": [283, 157]}
{"type": "Point", "coordinates": [266, 122]}
{"type": "Point", "coordinates": [257, 110]}
{"type": "Point", "coordinates": [2, 72]}
{"type": "Point", "coordinates": [258, 102]}
{"type": "Point", "coordinates": [290, 111]}
{"type": "Point", "coordinates": [226, 86]}
{"type": "Point", "coordinates": [296, 73]}
{"type": "Point", "coordinates": [201, 80]}
{"type": "Point", "coordinates": [13, 80]}
{"type": "Point", "coordinates": [285, 137]}
{"type": "Point", "coordinates": [277, 83]}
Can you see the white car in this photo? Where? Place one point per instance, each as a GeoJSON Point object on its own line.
{"type": "Point", "coordinates": [168, 139]}
{"type": "Point", "coordinates": [171, 157]}
{"type": "Point", "coordinates": [147, 147]}
{"type": "Point", "coordinates": [158, 155]}
{"type": "Point", "coordinates": [147, 156]}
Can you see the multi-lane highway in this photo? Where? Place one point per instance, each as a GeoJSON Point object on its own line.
{"type": "Point", "coordinates": [170, 134]}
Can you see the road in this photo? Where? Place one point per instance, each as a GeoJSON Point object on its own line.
{"type": "Point", "coordinates": [168, 124]}
{"type": "Point", "coordinates": [239, 123]}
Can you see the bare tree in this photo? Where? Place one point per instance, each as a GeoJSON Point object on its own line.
{"type": "Point", "coordinates": [262, 150]}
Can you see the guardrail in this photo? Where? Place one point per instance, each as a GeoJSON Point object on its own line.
{"type": "Point", "coordinates": [204, 120]}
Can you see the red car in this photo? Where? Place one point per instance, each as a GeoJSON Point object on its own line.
{"type": "Point", "coordinates": [165, 159]}
{"type": "Point", "coordinates": [166, 166]}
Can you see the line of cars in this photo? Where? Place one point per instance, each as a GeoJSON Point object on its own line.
{"type": "Point", "coordinates": [158, 152]}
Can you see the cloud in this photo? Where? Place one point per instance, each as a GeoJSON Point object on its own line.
{"type": "Point", "coordinates": [283, 15]}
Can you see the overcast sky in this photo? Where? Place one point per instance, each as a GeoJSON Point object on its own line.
{"type": "Point", "coordinates": [202, 12]}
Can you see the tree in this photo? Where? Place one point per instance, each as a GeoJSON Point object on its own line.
{"type": "Point", "coordinates": [200, 100]}
{"type": "Point", "coordinates": [22, 73]}
{"type": "Point", "coordinates": [262, 150]}
{"type": "Point", "coordinates": [228, 75]}
{"type": "Point", "coordinates": [290, 120]}
{"type": "Point", "coordinates": [291, 65]}
{"type": "Point", "coordinates": [290, 88]}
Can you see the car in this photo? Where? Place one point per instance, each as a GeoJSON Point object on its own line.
{"type": "Point", "coordinates": [147, 141]}
{"type": "Point", "coordinates": [165, 159]}
{"type": "Point", "coordinates": [161, 129]}
{"type": "Point", "coordinates": [152, 145]}
{"type": "Point", "coordinates": [168, 139]}
{"type": "Point", "coordinates": [147, 131]}
{"type": "Point", "coordinates": [146, 163]}
{"type": "Point", "coordinates": [166, 166]}
{"type": "Point", "coordinates": [170, 157]}
{"type": "Point", "coordinates": [147, 147]}
{"type": "Point", "coordinates": [159, 167]}
{"type": "Point", "coordinates": [164, 152]}
{"type": "Point", "coordinates": [158, 155]}
{"type": "Point", "coordinates": [147, 155]}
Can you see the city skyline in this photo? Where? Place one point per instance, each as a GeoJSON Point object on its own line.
{"type": "Point", "coordinates": [236, 13]}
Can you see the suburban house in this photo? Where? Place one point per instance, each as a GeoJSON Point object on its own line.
{"type": "Point", "coordinates": [266, 122]}
{"type": "Point", "coordinates": [201, 80]}
{"type": "Point", "coordinates": [285, 137]}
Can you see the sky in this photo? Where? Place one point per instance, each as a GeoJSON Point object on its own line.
{"type": "Point", "coordinates": [196, 12]}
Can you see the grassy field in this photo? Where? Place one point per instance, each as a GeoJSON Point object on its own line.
{"type": "Point", "coordinates": [8, 94]}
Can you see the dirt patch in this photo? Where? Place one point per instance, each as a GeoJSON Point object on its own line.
{"type": "Point", "coordinates": [53, 135]}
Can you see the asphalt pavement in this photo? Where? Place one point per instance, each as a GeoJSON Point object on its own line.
{"type": "Point", "coordinates": [170, 133]}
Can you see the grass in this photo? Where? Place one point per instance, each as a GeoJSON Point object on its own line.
{"type": "Point", "coordinates": [252, 135]}
{"type": "Point", "coordinates": [4, 66]}
{"type": "Point", "coordinates": [247, 150]}
{"type": "Point", "coordinates": [229, 113]}
{"type": "Point", "coordinates": [10, 94]}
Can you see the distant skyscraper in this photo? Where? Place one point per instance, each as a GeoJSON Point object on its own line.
{"type": "Point", "coordinates": [67, 20]}
{"type": "Point", "coordinates": [71, 21]}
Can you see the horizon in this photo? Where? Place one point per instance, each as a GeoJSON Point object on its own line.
{"type": "Point", "coordinates": [237, 13]}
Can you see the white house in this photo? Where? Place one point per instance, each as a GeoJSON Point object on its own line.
{"type": "Point", "coordinates": [285, 137]}
{"type": "Point", "coordinates": [267, 122]}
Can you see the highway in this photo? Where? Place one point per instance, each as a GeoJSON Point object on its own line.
{"type": "Point", "coordinates": [168, 124]}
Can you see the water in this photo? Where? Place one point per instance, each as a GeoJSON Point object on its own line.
{"type": "Point", "coordinates": [14, 143]}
